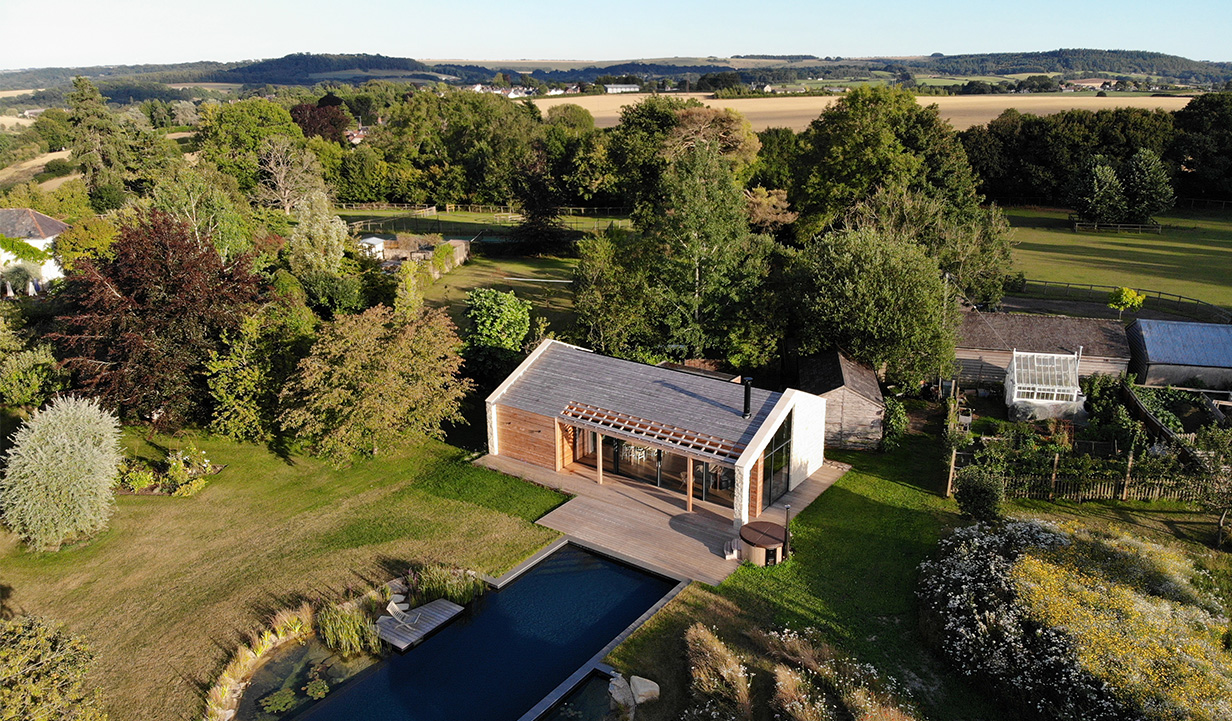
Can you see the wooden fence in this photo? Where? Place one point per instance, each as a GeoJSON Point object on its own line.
{"type": "Point", "coordinates": [568, 211]}
{"type": "Point", "coordinates": [1086, 225]}
{"type": "Point", "coordinates": [496, 225]}
{"type": "Point", "coordinates": [1171, 302]}
{"type": "Point", "coordinates": [1048, 488]}
{"type": "Point", "coordinates": [1203, 204]}
{"type": "Point", "coordinates": [409, 208]}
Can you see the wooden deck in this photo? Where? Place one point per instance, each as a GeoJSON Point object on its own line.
{"type": "Point", "coordinates": [431, 616]}
{"type": "Point", "coordinates": [650, 524]}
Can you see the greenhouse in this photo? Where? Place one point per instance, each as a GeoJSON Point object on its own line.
{"type": "Point", "coordinates": [1043, 385]}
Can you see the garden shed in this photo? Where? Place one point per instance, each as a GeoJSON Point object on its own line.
{"type": "Point", "coordinates": [855, 408]}
{"type": "Point", "coordinates": [987, 341]}
{"type": "Point", "coordinates": [1043, 385]}
{"type": "Point", "coordinates": [1170, 352]}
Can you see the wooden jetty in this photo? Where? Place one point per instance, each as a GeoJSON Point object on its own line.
{"type": "Point", "coordinates": [428, 618]}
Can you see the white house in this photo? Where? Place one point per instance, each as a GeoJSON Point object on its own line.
{"type": "Point", "coordinates": [36, 229]}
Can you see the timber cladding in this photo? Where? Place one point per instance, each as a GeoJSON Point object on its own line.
{"type": "Point", "coordinates": [527, 437]}
{"type": "Point", "coordinates": [755, 487]}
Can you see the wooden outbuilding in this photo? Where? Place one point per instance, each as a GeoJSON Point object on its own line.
{"type": "Point", "coordinates": [987, 341]}
{"type": "Point", "coordinates": [1170, 352]}
{"type": "Point", "coordinates": [706, 438]}
{"type": "Point", "coordinates": [855, 407]}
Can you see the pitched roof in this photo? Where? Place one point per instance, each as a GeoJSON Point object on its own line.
{"type": "Point", "coordinates": [564, 381]}
{"type": "Point", "coordinates": [26, 223]}
{"type": "Point", "coordinates": [1043, 334]}
{"type": "Point", "coordinates": [1175, 342]}
{"type": "Point", "coordinates": [828, 371]}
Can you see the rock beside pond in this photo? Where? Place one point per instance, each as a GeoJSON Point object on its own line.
{"type": "Point", "coordinates": [622, 697]}
{"type": "Point", "coordinates": [644, 690]}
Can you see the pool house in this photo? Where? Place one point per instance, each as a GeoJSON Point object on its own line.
{"type": "Point", "coordinates": [568, 409]}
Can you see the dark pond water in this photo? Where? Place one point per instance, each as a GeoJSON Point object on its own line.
{"type": "Point", "coordinates": [508, 652]}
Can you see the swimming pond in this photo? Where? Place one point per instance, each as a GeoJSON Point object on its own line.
{"type": "Point", "coordinates": [511, 649]}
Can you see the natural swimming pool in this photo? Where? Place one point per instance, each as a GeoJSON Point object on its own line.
{"type": "Point", "coordinates": [509, 651]}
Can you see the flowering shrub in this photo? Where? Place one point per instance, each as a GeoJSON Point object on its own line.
{"type": "Point", "coordinates": [1073, 624]}
{"type": "Point", "coordinates": [718, 674]}
{"type": "Point", "coordinates": [183, 475]}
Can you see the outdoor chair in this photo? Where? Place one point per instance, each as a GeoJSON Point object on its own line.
{"type": "Point", "coordinates": [400, 618]}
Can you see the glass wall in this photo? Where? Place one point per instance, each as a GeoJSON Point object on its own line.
{"type": "Point", "coordinates": [776, 465]}
{"type": "Point", "coordinates": [711, 481]}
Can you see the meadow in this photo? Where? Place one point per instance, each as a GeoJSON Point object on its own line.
{"type": "Point", "coordinates": [1192, 256]}
{"type": "Point", "coordinates": [962, 111]}
{"type": "Point", "coordinates": [168, 592]}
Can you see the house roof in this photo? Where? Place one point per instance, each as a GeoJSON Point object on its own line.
{"type": "Point", "coordinates": [695, 414]}
{"type": "Point", "coordinates": [26, 223]}
{"type": "Point", "coordinates": [1174, 342]}
{"type": "Point", "coordinates": [831, 370]}
{"type": "Point", "coordinates": [1043, 334]}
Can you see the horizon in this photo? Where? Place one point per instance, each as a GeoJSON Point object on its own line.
{"type": "Point", "coordinates": [124, 32]}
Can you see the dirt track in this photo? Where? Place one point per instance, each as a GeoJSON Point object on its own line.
{"type": "Point", "coordinates": [796, 113]}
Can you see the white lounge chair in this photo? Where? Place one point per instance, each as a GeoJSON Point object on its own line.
{"type": "Point", "coordinates": [400, 618]}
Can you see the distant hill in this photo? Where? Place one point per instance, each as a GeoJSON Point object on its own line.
{"type": "Point", "coordinates": [1077, 61]}
{"type": "Point", "coordinates": [309, 68]}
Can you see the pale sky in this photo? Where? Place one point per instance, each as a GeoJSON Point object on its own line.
{"type": "Point", "coordinates": [43, 33]}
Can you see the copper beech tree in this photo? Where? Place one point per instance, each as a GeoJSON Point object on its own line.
{"type": "Point", "coordinates": [137, 328]}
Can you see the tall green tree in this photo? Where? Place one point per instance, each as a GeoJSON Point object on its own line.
{"type": "Point", "coordinates": [880, 299]}
{"type": "Point", "coordinates": [971, 245]}
{"type": "Point", "coordinates": [874, 137]}
{"type": "Point", "coordinates": [1100, 197]}
{"type": "Point", "coordinates": [1203, 146]}
{"type": "Point", "coordinates": [232, 136]}
{"type": "Point", "coordinates": [1148, 189]}
{"type": "Point", "coordinates": [98, 145]}
{"type": "Point", "coordinates": [57, 478]}
{"type": "Point", "coordinates": [210, 203]}
{"type": "Point", "coordinates": [373, 380]}
{"type": "Point", "coordinates": [44, 671]}
{"type": "Point", "coordinates": [707, 262]}
{"type": "Point", "coordinates": [319, 239]}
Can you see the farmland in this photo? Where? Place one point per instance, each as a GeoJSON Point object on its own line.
{"type": "Point", "coordinates": [962, 111]}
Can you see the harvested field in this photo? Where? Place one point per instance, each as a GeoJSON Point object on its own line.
{"type": "Point", "coordinates": [12, 121]}
{"type": "Point", "coordinates": [224, 87]}
{"type": "Point", "coordinates": [15, 93]}
{"type": "Point", "coordinates": [27, 169]}
{"type": "Point", "coordinates": [796, 113]}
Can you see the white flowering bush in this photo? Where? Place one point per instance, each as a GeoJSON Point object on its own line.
{"type": "Point", "coordinates": [1068, 623]}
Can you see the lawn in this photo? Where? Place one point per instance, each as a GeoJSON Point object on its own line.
{"type": "Point", "coordinates": [552, 300]}
{"type": "Point", "coordinates": [1193, 255]}
{"type": "Point", "coordinates": [853, 576]}
{"type": "Point", "coordinates": [167, 593]}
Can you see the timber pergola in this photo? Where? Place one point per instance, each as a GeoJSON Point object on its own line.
{"type": "Point", "coordinates": [690, 444]}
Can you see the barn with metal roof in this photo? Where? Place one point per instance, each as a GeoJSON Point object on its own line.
{"type": "Point", "coordinates": [1170, 352]}
{"type": "Point", "coordinates": [726, 443]}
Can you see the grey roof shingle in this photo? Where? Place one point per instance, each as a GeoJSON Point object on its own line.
{"type": "Point", "coordinates": [564, 374]}
{"type": "Point", "coordinates": [1174, 342]}
{"type": "Point", "coordinates": [1043, 334]}
{"type": "Point", "coordinates": [827, 371]}
{"type": "Point", "coordinates": [25, 223]}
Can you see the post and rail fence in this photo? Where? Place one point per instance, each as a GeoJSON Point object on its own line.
{"type": "Point", "coordinates": [1091, 292]}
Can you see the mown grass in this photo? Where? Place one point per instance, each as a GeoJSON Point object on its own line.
{"type": "Point", "coordinates": [853, 576]}
{"type": "Point", "coordinates": [551, 300]}
{"type": "Point", "coordinates": [168, 592]}
{"type": "Point", "coordinates": [1192, 256]}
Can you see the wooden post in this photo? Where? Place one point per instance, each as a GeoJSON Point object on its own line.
{"type": "Point", "coordinates": [599, 457]}
{"type": "Point", "coordinates": [1052, 492]}
{"type": "Point", "coordinates": [688, 497]}
{"type": "Point", "coordinates": [949, 484]}
{"type": "Point", "coordinates": [1129, 468]}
